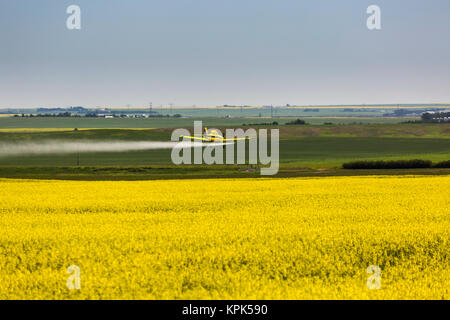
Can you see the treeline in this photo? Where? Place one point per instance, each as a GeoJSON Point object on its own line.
{"type": "Point", "coordinates": [436, 117]}
{"type": "Point", "coordinates": [395, 164]}
{"type": "Point", "coordinates": [93, 115]}
{"type": "Point", "coordinates": [296, 122]}
{"type": "Point", "coordinates": [47, 115]}
{"type": "Point", "coordinates": [275, 123]}
{"type": "Point", "coordinates": [261, 124]}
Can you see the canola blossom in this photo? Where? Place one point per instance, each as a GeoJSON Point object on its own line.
{"type": "Point", "coordinates": [302, 238]}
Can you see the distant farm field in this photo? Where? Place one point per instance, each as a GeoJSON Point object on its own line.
{"type": "Point", "coordinates": [42, 122]}
{"type": "Point", "coordinates": [226, 239]}
{"type": "Point", "coordinates": [305, 146]}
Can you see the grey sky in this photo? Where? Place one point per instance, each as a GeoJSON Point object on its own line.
{"type": "Point", "coordinates": [210, 52]}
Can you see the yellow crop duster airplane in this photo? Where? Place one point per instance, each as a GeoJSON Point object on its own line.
{"type": "Point", "coordinates": [213, 136]}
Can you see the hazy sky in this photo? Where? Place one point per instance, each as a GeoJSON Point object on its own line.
{"type": "Point", "coordinates": [211, 52]}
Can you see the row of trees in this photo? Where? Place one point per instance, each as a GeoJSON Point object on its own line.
{"type": "Point", "coordinates": [296, 122]}
{"type": "Point", "coordinates": [275, 123]}
{"type": "Point", "coordinates": [88, 115]}
{"type": "Point", "coordinates": [395, 164]}
{"type": "Point", "coordinates": [46, 115]}
{"type": "Point", "coordinates": [436, 117]}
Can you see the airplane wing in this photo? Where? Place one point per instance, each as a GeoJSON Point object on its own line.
{"type": "Point", "coordinates": [235, 139]}
{"type": "Point", "coordinates": [195, 138]}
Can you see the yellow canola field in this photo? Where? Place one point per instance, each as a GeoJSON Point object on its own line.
{"type": "Point", "coordinates": [305, 238]}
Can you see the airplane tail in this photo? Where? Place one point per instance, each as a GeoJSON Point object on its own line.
{"type": "Point", "coordinates": [205, 131]}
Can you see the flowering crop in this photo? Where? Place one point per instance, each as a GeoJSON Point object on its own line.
{"type": "Point", "coordinates": [305, 238]}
